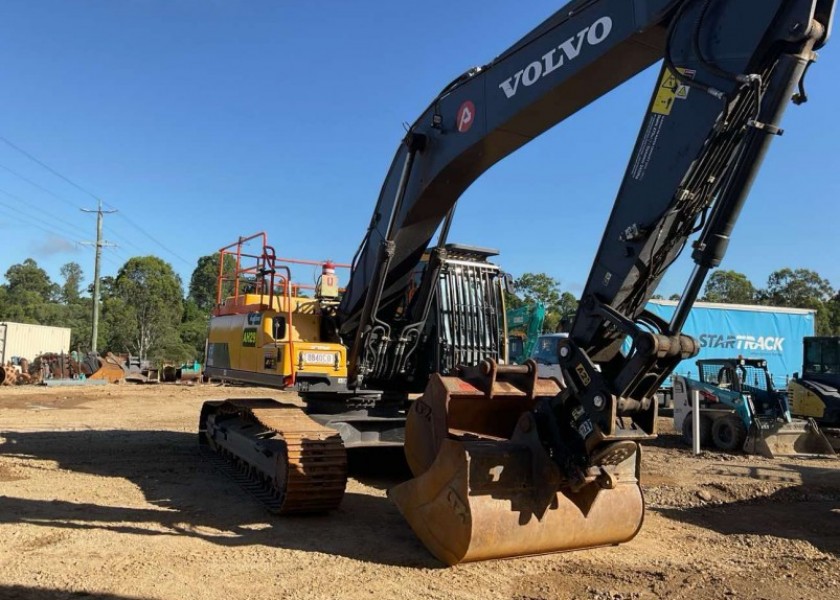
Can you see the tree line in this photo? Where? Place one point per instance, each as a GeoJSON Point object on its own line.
{"type": "Point", "coordinates": [145, 311]}
{"type": "Point", "coordinates": [793, 288]}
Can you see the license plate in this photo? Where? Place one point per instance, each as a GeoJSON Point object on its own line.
{"type": "Point", "coordinates": [319, 358]}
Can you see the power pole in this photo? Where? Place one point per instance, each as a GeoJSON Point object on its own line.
{"type": "Point", "coordinates": [99, 244]}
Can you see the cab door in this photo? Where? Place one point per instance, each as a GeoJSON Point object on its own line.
{"type": "Point", "coordinates": [275, 332]}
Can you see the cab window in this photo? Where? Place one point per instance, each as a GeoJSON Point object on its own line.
{"type": "Point", "coordinates": [278, 328]}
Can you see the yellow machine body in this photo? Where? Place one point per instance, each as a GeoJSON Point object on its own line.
{"type": "Point", "coordinates": [804, 402]}
{"type": "Point", "coordinates": [262, 340]}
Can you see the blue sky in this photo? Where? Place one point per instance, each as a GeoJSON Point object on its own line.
{"type": "Point", "coordinates": [201, 120]}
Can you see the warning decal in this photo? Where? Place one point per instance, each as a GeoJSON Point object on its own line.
{"type": "Point", "coordinates": [670, 90]}
{"type": "Point", "coordinates": [647, 145]}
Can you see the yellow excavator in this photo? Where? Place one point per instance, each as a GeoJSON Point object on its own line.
{"type": "Point", "coordinates": [506, 463]}
{"type": "Point", "coordinates": [815, 393]}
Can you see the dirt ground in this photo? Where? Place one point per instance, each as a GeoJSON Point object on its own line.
{"type": "Point", "coordinates": [103, 495]}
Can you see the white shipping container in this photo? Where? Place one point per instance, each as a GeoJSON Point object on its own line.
{"type": "Point", "coordinates": [28, 341]}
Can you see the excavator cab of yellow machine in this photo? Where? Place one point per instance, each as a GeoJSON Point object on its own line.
{"type": "Point", "coordinates": [485, 485]}
{"type": "Point", "coordinates": [264, 329]}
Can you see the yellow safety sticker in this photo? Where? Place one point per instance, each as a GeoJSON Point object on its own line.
{"type": "Point", "coordinates": [670, 89]}
{"type": "Point", "coordinates": [584, 376]}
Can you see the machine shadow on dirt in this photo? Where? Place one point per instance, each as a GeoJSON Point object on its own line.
{"type": "Point", "coordinates": [23, 592]}
{"type": "Point", "coordinates": [169, 470]}
{"type": "Point", "coordinates": [806, 512]}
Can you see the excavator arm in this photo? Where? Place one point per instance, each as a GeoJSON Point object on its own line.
{"type": "Point", "coordinates": [482, 446]}
{"type": "Point", "coordinates": [575, 56]}
{"type": "Point", "coordinates": [728, 70]}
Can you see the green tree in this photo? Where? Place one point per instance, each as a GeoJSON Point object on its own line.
{"type": "Point", "coordinates": [107, 287]}
{"type": "Point", "coordinates": [72, 274]}
{"type": "Point", "coordinates": [193, 330]}
{"type": "Point", "coordinates": [152, 291]}
{"type": "Point", "coordinates": [29, 277]}
{"type": "Point", "coordinates": [833, 306]}
{"type": "Point", "coordinates": [801, 288]}
{"type": "Point", "coordinates": [203, 280]}
{"type": "Point", "coordinates": [117, 326]}
{"type": "Point", "coordinates": [539, 287]}
{"type": "Point", "coordinates": [729, 287]}
{"type": "Point", "coordinates": [29, 295]}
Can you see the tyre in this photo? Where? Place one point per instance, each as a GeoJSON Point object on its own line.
{"type": "Point", "coordinates": [729, 433]}
{"type": "Point", "coordinates": [705, 429]}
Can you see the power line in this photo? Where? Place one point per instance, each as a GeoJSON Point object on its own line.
{"type": "Point", "coordinates": [65, 200]}
{"type": "Point", "coordinates": [148, 235]}
{"type": "Point", "coordinates": [19, 211]}
{"type": "Point", "coordinates": [37, 185]}
{"type": "Point", "coordinates": [108, 259]}
{"type": "Point", "coordinates": [95, 197]}
{"type": "Point", "coordinates": [117, 253]}
{"type": "Point", "coordinates": [125, 240]}
{"type": "Point", "coordinates": [15, 212]}
{"type": "Point", "coordinates": [49, 168]}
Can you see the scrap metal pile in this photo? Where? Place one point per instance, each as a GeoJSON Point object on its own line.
{"type": "Point", "coordinates": [53, 368]}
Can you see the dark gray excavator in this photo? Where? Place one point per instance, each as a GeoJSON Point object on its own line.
{"type": "Point", "coordinates": [506, 463]}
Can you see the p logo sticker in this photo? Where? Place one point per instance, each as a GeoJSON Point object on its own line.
{"type": "Point", "coordinates": [465, 116]}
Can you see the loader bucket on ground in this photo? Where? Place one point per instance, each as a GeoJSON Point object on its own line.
{"type": "Point", "coordinates": [484, 486]}
{"type": "Point", "coordinates": [798, 438]}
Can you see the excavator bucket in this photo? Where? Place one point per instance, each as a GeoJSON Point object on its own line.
{"type": "Point", "coordinates": [800, 437]}
{"type": "Point", "coordinates": [111, 369]}
{"type": "Point", "coordinates": [485, 488]}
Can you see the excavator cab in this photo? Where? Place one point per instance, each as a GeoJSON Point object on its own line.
{"type": "Point", "coordinates": [265, 329]}
{"type": "Point", "coordinates": [452, 314]}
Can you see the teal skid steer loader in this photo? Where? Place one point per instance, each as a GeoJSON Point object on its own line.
{"type": "Point", "coordinates": [741, 410]}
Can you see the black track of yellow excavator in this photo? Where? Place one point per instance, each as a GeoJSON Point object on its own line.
{"type": "Point", "coordinates": [288, 461]}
